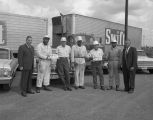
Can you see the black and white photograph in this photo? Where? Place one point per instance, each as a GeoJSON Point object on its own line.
{"type": "Point", "coordinates": [76, 59]}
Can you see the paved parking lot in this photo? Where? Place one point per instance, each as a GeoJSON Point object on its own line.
{"type": "Point", "coordinates": [88, 104]}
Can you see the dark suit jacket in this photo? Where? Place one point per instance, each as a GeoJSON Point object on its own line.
{"type": "Point", "coordinates": [26, 57]}
{"type": "Point", "coordinates": [131, 58]}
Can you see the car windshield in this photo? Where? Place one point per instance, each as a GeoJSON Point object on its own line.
{"type": "Point", "coordinates": [4, 53]}
{"type": "Point", "coordinates": [141, 53]}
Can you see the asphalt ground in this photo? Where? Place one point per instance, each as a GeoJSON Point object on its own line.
{"type": "Point", "coordinates": [87, 104]}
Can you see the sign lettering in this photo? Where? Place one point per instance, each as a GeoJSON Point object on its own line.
{"type": "Point", "coordinates": [114, 34]}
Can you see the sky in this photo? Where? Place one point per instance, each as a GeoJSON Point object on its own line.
{"type": "Point", "coordinates": [140, 11]}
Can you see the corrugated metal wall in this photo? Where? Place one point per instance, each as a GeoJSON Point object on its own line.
{"type": "Point", "coordinates": [97, 27]}
{"type": "Point", "coordinates": [19, 26]}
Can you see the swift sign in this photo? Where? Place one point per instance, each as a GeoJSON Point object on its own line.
{"type": "Point", "coordinates": [114, 34]}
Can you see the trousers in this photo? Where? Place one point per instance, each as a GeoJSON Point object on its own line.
{"type": "Point", "coordinates": [63, 71]}
{"type": "Point", "coordinates": [129, 78]}
{"type": "Point", "coordinates": [79, 74]}
{"type": "Point", "coordinates": [114, 73]}
{"type": "Point", "coordinates": [26, 82]}
{"type": "Point", "coordinates": [97, 67]}
{"type": "Point", "coordinates": [44, 69]}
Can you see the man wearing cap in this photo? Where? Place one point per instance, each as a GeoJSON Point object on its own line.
{"type": "Point", "coordinates": [114, 63]}
{"type": "Point", "coordinates": [97, 54]}
{"type": "Point", "coordinates": [44, 53]}
{"type": "Point", "coordinates": [78, 55]}
{"type": "Point", "coordinates": [63, 65]}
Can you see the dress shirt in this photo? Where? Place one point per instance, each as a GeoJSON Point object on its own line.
{"type": "Point", "coordinates": [63, 51]}
{"type": "Point", "coordinates": [114, 54]}
{"type": "Point", "coordinates": [127, 49]}
{"type": "Point", "coordinates": [97, 55]}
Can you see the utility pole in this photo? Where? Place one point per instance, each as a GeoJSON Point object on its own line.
{"type": "Point", "coordinates": [126, 20]}
{"type": "Point", "coordinates": [62, 20]}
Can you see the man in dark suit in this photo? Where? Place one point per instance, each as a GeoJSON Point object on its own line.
{"type": "Point", "coordinates": [129, 65]}
{"type": "Point", "coordinates": [26, 61]}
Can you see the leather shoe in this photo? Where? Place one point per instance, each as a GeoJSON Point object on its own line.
{"type": "Point", "coordinates": [69, 89]}
{"type": "Point", "coordinates": [37, 90]}
{"type": "Point", "coordinates": [47, 88]}
{"type": "Point", "coordinates": [76, 87]}
{"type": "Point", "coordinates": [110, 88]}
{"type": "Point", "coordinates": [102, 88]}
{"type": "Point", "coordinates": [131, 91]}
{"type": "Point", "coordinates": [64, 88]}
{"type": "Point", "coordinates": [24, 94]}
{"type": "Point", "coordinates": [82, 87]}
{"type": "Point", "coordinates": [126, 90]}
{"type": "Point", "coordinates": [31, 92]}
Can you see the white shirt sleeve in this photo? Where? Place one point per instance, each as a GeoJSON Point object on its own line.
{"type": "Point", "coordinates": [102, 53]}
{"type": "Point", "coordinates": [57, 51]}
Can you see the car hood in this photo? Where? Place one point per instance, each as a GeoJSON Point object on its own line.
{"type": "Point", "coordinates": [145, 58]}
{"type": "Point", "coordinates": [5, 63]}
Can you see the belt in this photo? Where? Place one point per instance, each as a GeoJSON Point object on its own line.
{"type": "Point", "coordinates": [113, 60]}
{"type": "Point", "coordinates": [79, 57]}
{"type": "Point", "coordinates": [96, 61]}
{"type": "Point", "coordinates": [63, 57]}
{"type": "Point", "coordinates": [44, 59]}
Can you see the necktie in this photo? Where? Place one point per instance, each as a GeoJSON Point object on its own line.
{"type": "Point", "coordinates": [126, 52]}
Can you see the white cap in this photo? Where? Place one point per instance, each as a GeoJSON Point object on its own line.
{"type": "Point", "coordinates": [79, 38]}
{"type": "Point", "coordinates": [63, 39]}
{"type": "Point", "coordinates": [113, 40]}
{"type": "Point", "coordinates": [46, 36]}
{"type": "Point", "coordinates": [95, 42]}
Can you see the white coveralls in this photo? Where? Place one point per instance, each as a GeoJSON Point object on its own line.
{"type": "Point", "coordinates": [77, 55]}
{"type": "Point", "coordinates": [44, 66]}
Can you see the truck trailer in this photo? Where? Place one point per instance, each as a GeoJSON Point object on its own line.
{"type": "Point", "coordinates": [15, 28]}
{"type": "Point", "coordinates": [90, 29]}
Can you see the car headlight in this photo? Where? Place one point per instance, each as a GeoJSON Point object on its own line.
{"type": "Point", "coordinates": [6, 72]}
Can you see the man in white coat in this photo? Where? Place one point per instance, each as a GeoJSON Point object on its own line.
{"type": "Point", "coordinates": [78, 55]}
{"type": "Point", "coordinates": [44, 53]}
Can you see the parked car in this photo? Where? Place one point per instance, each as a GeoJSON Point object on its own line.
{"type": "Point", "coordinates": [53, 74]}
{"type": "Point", "coordinates": [8, 67]}
{"type": "Point", "coordinates": [144, 62]}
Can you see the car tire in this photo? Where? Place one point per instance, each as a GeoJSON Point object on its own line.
{"type": "Point", "coordinates": [105, 71]}
{"type": "Point", "coordinates": [72, 80]}
{"type": "Point", "coordinates": [151, 71]}
{"type": "Point", "coordinates": [7, 87]}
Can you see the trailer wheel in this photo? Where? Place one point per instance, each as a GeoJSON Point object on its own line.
{"type": "Point", "coordinates": [151, 71]}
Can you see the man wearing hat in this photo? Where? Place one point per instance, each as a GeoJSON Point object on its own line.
{"type": "Point", "coordinates": [97, 54]}
{"type": "Point", "coordinates": [78, 55]}
{"type": "Point", "coordinates": [44, 53]}
{"type": "Point", "coordinates": [114, 63]}
{"type": "Point", "coordinates": [63, 65]}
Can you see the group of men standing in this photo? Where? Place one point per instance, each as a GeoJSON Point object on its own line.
{"type": "Point", "coordinates": [76, 56]}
